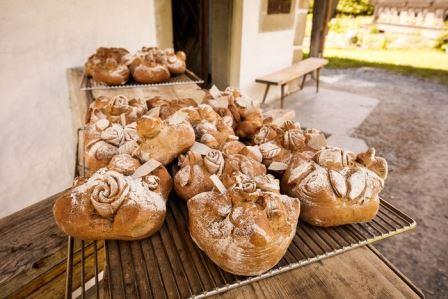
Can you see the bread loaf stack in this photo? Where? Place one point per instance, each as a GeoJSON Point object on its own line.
{"type": "Point", "coordinates": [246, 178]}
{"type": "Point", "coordinates": [115, 66]}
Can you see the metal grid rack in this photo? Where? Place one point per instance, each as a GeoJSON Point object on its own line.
{"type": "Point", "coordinates": [188, 77]}
{"type": "Point", "coordinates": [169, 264]}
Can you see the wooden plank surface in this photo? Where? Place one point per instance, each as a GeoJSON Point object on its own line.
{"type": "Point", "coordinates": [293, 72]}
{"type": "Point", "coordinates": [33, 254]}
{"type": "Point", "coordinates": [357, 273]}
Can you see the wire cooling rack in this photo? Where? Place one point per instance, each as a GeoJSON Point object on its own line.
{"type": "Point", "coordinates": [188, 77]}
{"type": "Point", "coordinates": [169, 264]}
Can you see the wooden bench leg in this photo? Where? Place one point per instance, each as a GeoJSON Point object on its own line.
{"type": "Point", "coordinates": [303, 81]}
{"type": "Point", "coordinates": [282, 95]}
{"type": "Point", "coordinates": [317, 80]}
{"type": "Point", "coordinates": [265, 94]}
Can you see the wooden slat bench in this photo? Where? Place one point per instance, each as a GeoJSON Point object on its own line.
{"type": "Point", "coordinates": [293, 72]}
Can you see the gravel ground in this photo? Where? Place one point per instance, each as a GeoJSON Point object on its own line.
{"type": "Point", "coordinates": [409, 127]}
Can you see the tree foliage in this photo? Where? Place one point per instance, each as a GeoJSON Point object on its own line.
{"type": "Point", "coordinates": [355, 7]}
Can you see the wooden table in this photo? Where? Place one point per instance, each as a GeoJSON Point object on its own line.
{"type": "Point", "coordinates": [33, 253]}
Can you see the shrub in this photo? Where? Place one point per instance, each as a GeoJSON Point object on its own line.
{"type": "Point", "coordinates": [355, 7]}
{"type": "Point", "coordinates": [442, 42]}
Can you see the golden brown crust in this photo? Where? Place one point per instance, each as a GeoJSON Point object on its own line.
{"type": "Point", "coordinates": [245, 117]}
{"type": "Point", "coordinates": [175, 61]}
{"type": "Point", "coordinates": [103, 140]}
{"type": "Point", "coordinates": [113, 66]}
{"type": "Point", "coordinates": [279, 143]}
{"type": "Point", "coordinates": [336, 187]}
{"type": "Point", "coordinates": [245, 231]}
{"type": "Point", "coordinates": [210, 129]}
{"type": "Point", "coordinates": [117, 109]}
{"type": "Point", "coordinates": [149, 66]}
{"type": "Point", "coordinates": [163, 140]}
{"type": "Point", "coordinates": [110, 205]}
{"type": "Point", "coordinates": [195, 171]}
{"type": "Point", "coordinates": [127, 165]}
{"type": "Point", "coordinates": [169, 106]}
{"type": "Point", "coordinates": [107, 66]}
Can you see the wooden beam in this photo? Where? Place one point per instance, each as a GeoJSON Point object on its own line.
{"type": "Point", "coordinates": [323, 11]}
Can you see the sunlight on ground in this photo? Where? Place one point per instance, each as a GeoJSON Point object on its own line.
{"type": "Point", "coordinates": [426, 59]}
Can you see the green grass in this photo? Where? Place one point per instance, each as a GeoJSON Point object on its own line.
{"type": "Point", "coordinates": [430, 64]}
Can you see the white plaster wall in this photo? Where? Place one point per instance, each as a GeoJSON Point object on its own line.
{"type": "Point", "coordinates": [39, 40]}
{"type": "Point", "coordinates": [261, 52]}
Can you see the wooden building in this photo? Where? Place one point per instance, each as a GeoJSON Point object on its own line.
{"type": "Point", "coordinates": [411, 14]}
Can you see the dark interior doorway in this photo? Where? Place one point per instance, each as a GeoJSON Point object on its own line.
{"type": "Point", "coordinates": [202, 29]}
{"type": "Point", "coordinates": [191, 34]}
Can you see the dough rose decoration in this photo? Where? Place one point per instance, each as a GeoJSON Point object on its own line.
{"type": "Point", "coordinates": [113, 134]}
{"type": "Point", "coordinates": [336, 187]}
{"type": "Point", "coordinates": [194, 174]}
{"type": "Point", "coordinates": [210, 128]}
{"type": "Point", "coordinates": [195, 170]}
{"type": "Point", "coordinates": [103, 140]}
{"type": "Point", "coordinates": [244, 185]}
{"type": "Point", "coordinates": [112, 205]}
{"type": "Point", "coordinates": [157, 180]}
{"type": "Point", "coordinates": [108, 192]}
{"type": "Point", "coordinates": [152, 181]}
{"type": "Point", "coordinates": [214, 162]}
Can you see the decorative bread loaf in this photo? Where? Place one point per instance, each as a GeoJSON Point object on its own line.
{"type": "Point", "coordinates": [246, 118]}
{"type": "Point", "coordinates": [280, 143]}
{"type": "Point", "coordinates": [164, 140]}
{"type": "Point", "coordinates": [336, 187]}
{"type": "Point", "coordinates": [175, 61]}
{"type": "Point", "coordinates": [118, 109]}
{"type": "Point", "coordinates": [104, 139]}
{"type": "Point", "coordinates": [108, 66]}
{"type": "Point", "coordinates": [245, 231]}
{"type": "Point", "coordinates": [196, 168]}
{"type": "Point", "coordinates": [128, 165]}
{"type": "Point", "coordinates": [210, 128]}
{"type": "Point", "coordinates": [111, 205]}
{"type": "Point", "coordinates": [113, 66]}
{"type": "Point", "coordinates": [167, 107]}
{"type": "Point", "coordinates": [149, 65]}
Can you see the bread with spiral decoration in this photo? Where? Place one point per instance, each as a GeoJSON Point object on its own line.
{"type": "Point", "coordinates": [112, 205]}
